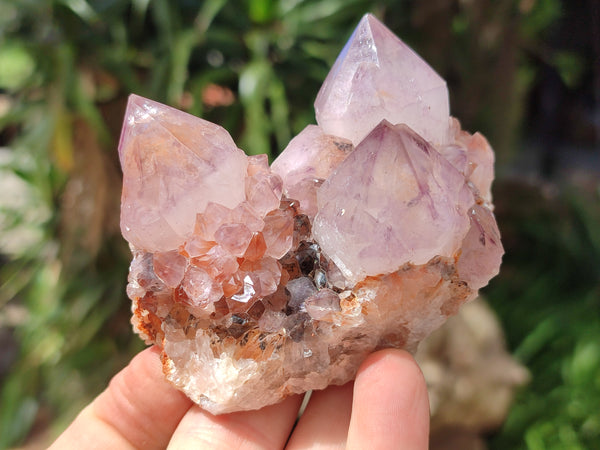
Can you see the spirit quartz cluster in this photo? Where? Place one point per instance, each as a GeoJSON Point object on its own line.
{"type": "Point", "coordinates": [368, 231]}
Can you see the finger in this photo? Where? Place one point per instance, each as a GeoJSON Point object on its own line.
{"type": "Point", "coordinates": [324, 423]}
{"type": "Point", "coordinates": [266, 428]}
{"type": "Point", "coordinates": [139, 409]}
{"type": "Point", "coordinates": [390, 409]}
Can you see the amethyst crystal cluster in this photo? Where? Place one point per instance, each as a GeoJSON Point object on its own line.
{"type": "Point", "coordinates": [368, 231]}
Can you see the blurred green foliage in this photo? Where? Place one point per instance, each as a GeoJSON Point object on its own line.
{"type": "Point", "coordinates": [548, 295]}
{"type": "Point", "coordinates": [255, 66]}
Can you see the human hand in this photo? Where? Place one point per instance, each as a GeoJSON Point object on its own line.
{"type": "Point", "coordinates": [386, 407]}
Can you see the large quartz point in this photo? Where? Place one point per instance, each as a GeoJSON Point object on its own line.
{"type": "Point", "coordinates": [176, 164]}
{"type": "Point", "coordinates": [377, 76]}
{"type": "Point", "coordinates": [367, 232]}
{"type": "Point", "coordinates": [366, 220]}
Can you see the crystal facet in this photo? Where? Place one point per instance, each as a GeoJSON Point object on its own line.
{"type": "Point", "coordinates": [368, 231]}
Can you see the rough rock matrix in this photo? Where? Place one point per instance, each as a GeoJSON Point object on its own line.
{"type": "Point", "coordinates": [368, 231]}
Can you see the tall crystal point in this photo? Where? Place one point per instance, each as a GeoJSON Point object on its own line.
{"type": "Point", "coordinates": [173, 165]}
{"type": "Point", "coordinates": [375, 77]}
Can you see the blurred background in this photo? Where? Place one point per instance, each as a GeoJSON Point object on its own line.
{"type": "Point", "coordinates": [526, 73]}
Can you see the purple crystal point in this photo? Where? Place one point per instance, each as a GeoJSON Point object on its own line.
{"type": "Point", "coordinates": [173, 165]}
{"type": "Point", "coordinates": [367, 218]}
{"type": "Point", "coordinates": [378, 77]}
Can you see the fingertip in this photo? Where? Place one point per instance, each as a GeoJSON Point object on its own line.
{"type": "Point", "coordinates": [324, 423]}
{"type": "Point", "coordinates": [390, 406]}
{"type": "Point", "coordinates": [390, 362]}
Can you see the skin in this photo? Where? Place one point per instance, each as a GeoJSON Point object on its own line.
{"type": "Point", "coordinates": [386, 407]}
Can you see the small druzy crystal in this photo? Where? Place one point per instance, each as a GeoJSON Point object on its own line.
{"type": "Point", "coordinates": [367, 231]}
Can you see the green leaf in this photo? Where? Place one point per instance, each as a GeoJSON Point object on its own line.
{"type": "Point", "coordinates": [18, 407]}
{"type": "Point", "coordinates": [16, 65]}
{"type": "Point", "coordinates": [570, 66]}
{"type": "Point", "coordinates": [261, 11]}
{"type": "Point", "coordinates": [82, 9]}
